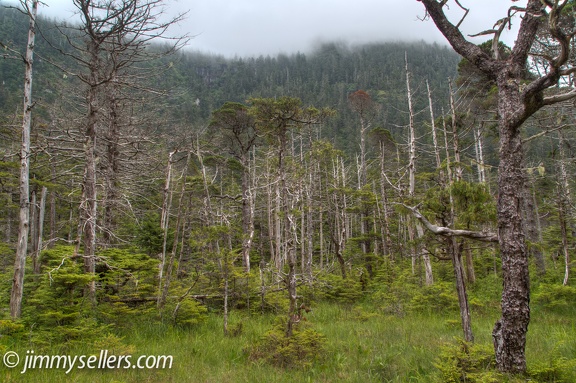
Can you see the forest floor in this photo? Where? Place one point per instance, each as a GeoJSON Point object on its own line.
{"type": "Point", "coordinates": [361, 345]}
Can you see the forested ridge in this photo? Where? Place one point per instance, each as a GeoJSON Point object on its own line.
{"type": "Point", "coordinates": [285, 214]}
{"type": "Point", "coordinates": [199, 83]}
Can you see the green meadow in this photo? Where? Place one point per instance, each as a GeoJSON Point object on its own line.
{"type": "Point", "coordinates": [361, 344]}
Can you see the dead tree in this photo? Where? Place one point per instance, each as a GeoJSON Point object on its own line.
{"type": "Point", "coordinates": [111, 39]}
{"type": "Point", "coordinates": [24, 218]}
{"type": "Point", "coordinates": [412, 180]}
{"type": "Point", "coordinates": [519, 97]}
{"type": "Point", "coordinates": [237, 128]}
{"type": "Point", "coordinates": [565, 213]}
{"type": "Point", "coordinates": [276, 119]}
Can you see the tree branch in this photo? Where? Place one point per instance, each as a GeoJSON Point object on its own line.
{"type": "Point", "coordinates": [447, 232]}
{"type": "Point", "coordinates": [465, 48]}
{"type": "Point", "coordinates": [559, 98]}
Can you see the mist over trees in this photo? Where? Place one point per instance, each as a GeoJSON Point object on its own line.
{"type": "Point", "coordinates": [168, 187]}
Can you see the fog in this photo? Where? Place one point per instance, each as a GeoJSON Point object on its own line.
{"type": "Point", "coordinates": [254, 27]}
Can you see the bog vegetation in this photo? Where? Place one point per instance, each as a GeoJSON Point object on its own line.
{"type": "Point", "coordinates": [271, 219]}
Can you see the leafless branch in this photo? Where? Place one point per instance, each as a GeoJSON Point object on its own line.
{"type": "Point", "coordinates": [446, 231]}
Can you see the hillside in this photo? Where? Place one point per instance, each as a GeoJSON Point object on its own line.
{"type": "Point", "coordinates": [200, 83]}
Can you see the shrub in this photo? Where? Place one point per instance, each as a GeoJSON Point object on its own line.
{"type": "Point", "coordinates": [393, 289]}
{"type": "Point", "coordinates": [440, 296]}
{"type": "Point", "coordinates": [114, 345]}
{"type": "Point", "coordinates": [467, 362]}
{"type": "Point", "coordinates": [274, 301]}
{"type": "Point", "coordinates": [188, 313]}
{"type": "Point", "coordinates": [12, 332]}
{"type": "Point", "coordinates": [486, 293]}
{"type": "Point", "coordinates": [558, 365]}
{"type": "Point", "coordinates": [555, 296]}
{"type": "Point", "coordinates": [337, 289]}
{"type": "Point", "coordinates": [556, 370]}
{"type": "Point", "coordinates": [300, 350]}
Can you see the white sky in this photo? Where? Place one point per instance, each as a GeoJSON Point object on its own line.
{"type": "Point", "coordinates": [254, 27]}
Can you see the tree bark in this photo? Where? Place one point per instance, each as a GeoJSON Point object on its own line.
{"type": "Point", "coordinates": [510, 331]}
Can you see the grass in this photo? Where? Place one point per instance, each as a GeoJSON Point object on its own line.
{"type": "Point", "coordinates": [362, 346]}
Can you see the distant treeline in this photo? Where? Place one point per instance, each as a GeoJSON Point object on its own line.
{"type": "Point", "coordinates": [199, 83]}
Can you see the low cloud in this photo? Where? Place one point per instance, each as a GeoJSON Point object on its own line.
{"type": "Point", "coordinates": [254, 27]}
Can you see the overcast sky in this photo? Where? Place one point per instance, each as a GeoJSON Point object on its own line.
{"type": "Point", "coordinates": [254, 27]}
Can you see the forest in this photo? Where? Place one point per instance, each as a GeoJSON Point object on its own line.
{"type": "Point", "coordinates": [354, 213]}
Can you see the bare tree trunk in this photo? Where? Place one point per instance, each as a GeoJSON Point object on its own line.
{"type": "Point", "coordinates": [411, 161]}
{"type": "Point", "coordinates": [454, 251]}
{"type": "Point", "coordinates": [288, 236]}
{"type": "Point", "coordinates": [533, 228]}
{"type": "Point", "coordinates": [307, 270]}
{"type": "Point", "coordinates": [33, 231]}
{"type": "Point", "coordinates": [433, 127]}
{"type": "Point", "coordinates": [111, 171]}
{"type": "Point", "coordinates": [164, 225]}
{"type": "Point", "coordinates": [479, 152]}
{"type": "Point", "coordinates": [247, 215]}
{"type": "Point", "coordinates": [564, 208]}
{"type": "Point", "coordinates": [338, 239]}
{"type": "Point", "coordinates": [461, 289]}
{"type": "Point", "coordinates": [271, 215]}
{"type": "Point", "coordinates": [262, 285]}
{"type": "Point", "coordinates": [291, 285]}
{"type": "Point", "coordinates": [455, 138]}
{"type": "Point", "coordinates": [387, 240]}
{"type": "Point", "coordinates": [412, 141]}
{"type": "Point", "coordinates": [24, 217]}
{"type": "Point", "coordinates": [345, 217]}
{"type": "Point", "coordinates": [52, 209]}
{"type": "Point", "coordinates": [470, 273]}
{"type": "Point", "coordinates": [338, 232]}
{"type": "Point", "coordinates": [280, 256]}
{"type": "Point", "coordinates": [89, 207]}
{"type": "Point", "coordinates": [184, 238]}
{"type": "Point", "coordinates": [564, 234]}
{"type": "Point", "coordinates": [412, 180]}
{"type": "Point", "coordinates": [225, 292]}
{"type": "Point", "coordinates": [428, 274]}
{"type": "Point", "coordinates": [89, 204]}
{"type": "Point", "coordinates": [40, 231]}
{"type": "Point", "coordinates": [170, 264]}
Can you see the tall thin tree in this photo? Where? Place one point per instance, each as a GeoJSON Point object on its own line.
{"type": "Point", "coordinates": [24, 223]}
